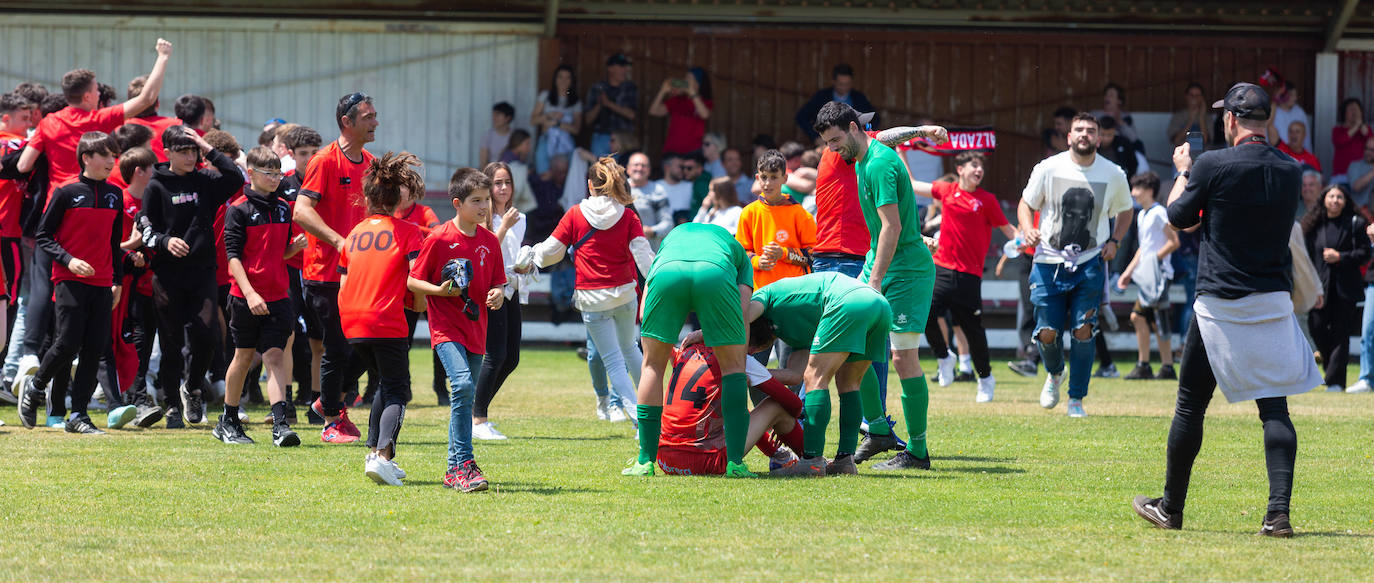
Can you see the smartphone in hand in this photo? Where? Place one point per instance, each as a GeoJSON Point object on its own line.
{"type": "Point", "coordinates": [1196, 146]}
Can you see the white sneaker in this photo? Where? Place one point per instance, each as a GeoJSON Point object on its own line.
{"type": "Point", "coordinates": [400, 473]}
{"type": "Point", "coordinates": [1076, 408]}
{"type": "Point", "coordinates": [28, 365]}
{"type": "Point", "coordinates": [1049, 397]}
{"type": "Point", "coordinates": [381, 471]}
{"type": "Point", "coordinates": [616, 415]}
{"type": "Point", "coordinates": [603, 406]}
{"type": "Point", "coordinates": [945, 370]}
{"type": "Point", "coordinates": [243, 416]}
{"type": "Point", "coordinates": [1335, 389]}
{"type": "Point", "coordinates": [486, 432]}
{"type": "Point", "coordinates": [985, 388]}
{"type": "Point", "coordinates": [631, 413]}
{"type": "Point", "coordinates": [1360, 386]}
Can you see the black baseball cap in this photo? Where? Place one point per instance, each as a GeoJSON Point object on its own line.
{"type": "Point", "coordinates": [1246, 101]}
{"type": "Point", "coordinates": [618, 59]}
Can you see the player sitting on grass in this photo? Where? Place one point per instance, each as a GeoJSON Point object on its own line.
{"type": "Point", "coordinates": [703, 269]}
{"type": "Point", "coordinates": [257, 241]}
{"type": "Point", "coordinates": [692, 442]}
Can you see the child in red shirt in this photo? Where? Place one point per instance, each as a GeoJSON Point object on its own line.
{"type": "Point", "coordinates": [134, 324]}
{"type": "Point", "coordinates": [458, 309]}
{"type": "Point", "coordinates": [373, 267]}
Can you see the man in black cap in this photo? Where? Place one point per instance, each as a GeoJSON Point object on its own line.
{"type": "Point", "coordinates": [610, 104]}
{"type": "Point", "coordinates": [1244, 337]}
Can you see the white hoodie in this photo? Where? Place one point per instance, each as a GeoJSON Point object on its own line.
{"type": "Point", "coordinates": [601, 212]}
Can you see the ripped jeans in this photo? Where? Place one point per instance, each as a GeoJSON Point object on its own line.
{"type": "Point", "coordinates": [1066, 302]}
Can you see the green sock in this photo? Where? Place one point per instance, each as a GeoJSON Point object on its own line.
{"type": "Point", "coordinates": [915, 403]}
{"type": "Point", "coordinates": [734, 410]}
{"type": "Point", "coordinates": [817, 407]}
{"type": "Point", "coordinates": [650, 422]}
{"type": "Point", "coordinates": [850, 415]}
{"type": "Point", "coordinates": [872, 404]}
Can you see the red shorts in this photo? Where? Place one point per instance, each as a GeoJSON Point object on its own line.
{"type": "Point", "coordinates": [684, 462]}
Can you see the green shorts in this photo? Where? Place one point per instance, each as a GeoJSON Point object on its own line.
{"type": "Point", "coordinates": [857, 323]}
{"type": "Point", "coordinates": [677, 288]}
{"type": "Point", "coordinates": [909, 296]}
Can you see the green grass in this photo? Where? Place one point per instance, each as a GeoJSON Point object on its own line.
{"type": "Point", "coordinates": [1018, 494]}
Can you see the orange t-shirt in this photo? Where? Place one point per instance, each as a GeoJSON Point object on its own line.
{"type": "Point", "coordinates": [376, 259]}
{"type": "Point", "coordinates": [336, 185]}
{"type": "Point", "coordinates": [788, 224]}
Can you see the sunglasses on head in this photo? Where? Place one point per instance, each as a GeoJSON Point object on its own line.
{"type": "Point", "coordinates": [352, 100]}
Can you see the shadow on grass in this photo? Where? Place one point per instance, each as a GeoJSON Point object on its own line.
{"type": "Point", "coordinates": [981, 470]}
{"type": "Point", "coordinates": [566, 438]}
{"type": "Point", "coordinates": [543, 490]}
{"type": "Point", "coordinates": [970, 458]}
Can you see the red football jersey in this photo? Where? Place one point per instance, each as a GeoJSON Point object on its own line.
{"type": "Point", "coordinates": [58, 135]}
{"type": "Point", "coordinates": [376, 258]}
{"type": "Point", "coordinates": [840, 226]}
{"type": "Point", "coordinates": [157, 124]}
{"type": "Point", "coordinates": [691, 405]}
{"type": "Point", "coordinates": [447, 323]}
{"type": "Point", "coordinates": [11, 191]}
{"type": "Point", "coordinates": [336, 185]}
{"type": "Point", "coordinates": [966, 229]}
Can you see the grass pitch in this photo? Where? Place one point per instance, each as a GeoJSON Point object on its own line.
{"type": "Point", "coordinates": [1018, 493]}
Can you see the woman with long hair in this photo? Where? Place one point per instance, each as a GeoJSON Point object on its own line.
{"type": "Point", "coordinates": [721, 205]}
{"type": "Point", "coordinates": [1338, 245]}
{"type": "Point", "coordinates": [557, 115]}
{"type": "Point", "coordinates": [607, 244]}
{"type": "Point", "coordinates": [504, 324]}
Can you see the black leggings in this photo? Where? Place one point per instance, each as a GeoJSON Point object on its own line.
{"type": "Point", "coordinates": [1195, 386]}
{"type": "Point", "coordinates": [1331, 326]}
{"type": "Point", "coordinates": [83, 328]}
{"type": "Point", "coordinates": [960, 293]}
{"type": "Point", "coordinates": [503, 354]}
{"type": "Point", "coordinates": [38, 311]}
{"type": "Point", "coordinates": [189, 318]}
{"type": "Point", "coordinates": [391, 361]}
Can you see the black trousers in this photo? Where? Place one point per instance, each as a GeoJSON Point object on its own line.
{"type": "Point", "coordinates": [83, 328]}
{"type": "Point", "coordinates": [391, 360]}
{"type": "Point", "coordinates": [38, 312]}
{"type": "Point", "coordinates": [1331, 327]}
{"type": "Point", "coordinates": [1195, 387]}
{"type": "Point", "coordinates": [140, 328]}
{"type": "Point", "coordinates": [189, 319]}
{"type": "Point", "coordinates": [961, 294]}
{"type": "Point", "coordinates": [12, 260]}
{"type": "Point", "coordinates": [338, 365]}
{"type": "Point", "coordinates": [503, 354]}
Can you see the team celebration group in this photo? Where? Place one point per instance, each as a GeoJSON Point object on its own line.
{"type": "Point", "coordinates": [305, 255]}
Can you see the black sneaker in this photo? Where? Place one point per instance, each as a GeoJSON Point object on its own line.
{"type": "Point", "coordinates": [875, 444]}
{"type": "Point", "coordinates": [1141, 372]}
{"type": "Point", "coordinates": [312, 417]}
{"type": "Point", "coordinates": [1024, 368]}
{"type": "Point", "coordinates": [82, 424]}
{"type": "Point", "coordinates": [6, 395]}
{"type": "Point", "coordinates": [442, 399]}
{"type": "Point", "coordinates": [192, 405]}
{"type": "Point", "coordinates": [230, 431]}
{"type": "Point", "coordinates": [1166, 373]}
{"type": "Point", "coordinates": [964, 377]}
{"type": "Point", "coordinates": [1153, 511]}
{"type": "Point", "coordinates": [174, 420]}
{"type": "Point", "coordinates": [283, 436]}
{"type": "Point", "coordinates": [1277, 527]}
{"type": "Point", "coordinates": [146, 415]}
{"type": "Point", "coordinates": [904, 461]}
{"type": "Point", "coordinates": [29, 401]}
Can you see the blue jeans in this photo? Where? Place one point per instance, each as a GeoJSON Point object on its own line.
{"type": "Point", "coordinates": [1065, 301]}
{"type": "Point", "coordinates": [854, 268]}
{"type": "Point", "coordinates": [601, 145]}
{"type": "Point", "coordinates": [597, 370]}
{"type": "Point", "coordinates": [1367, 336]}
{"type": "Point", "coordinates": [459, 363]}
{"type": "Point", "coordinates": [1185, 273]}
{"type": "Point", "coordinates": [613, 334]}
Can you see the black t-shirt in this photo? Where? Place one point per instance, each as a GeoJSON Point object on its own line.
{"type": "Point", "coordinates": [1247, 195]}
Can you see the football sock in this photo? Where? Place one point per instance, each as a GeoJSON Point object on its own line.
{"type": "Point", "coordinates": [795, 439]}
{"type": "Point", "coordinates": [915, 403]}
{"type": "Point", "coordinates": [231, 412]}
{"type": "Point", "coordinates": [872, 403]}
{"type": "Point", "coordinates": [734, 410]}
{"type": "Point", "coordinates": [650, 421]}
{"type": "Point", "coordinates": [817, 405]}
{"type": "Point", "coordinates": [850, 415]}
{"type": "Point", "coordinates": [965, 363]}
{"type": "Point", "coordinates": [279, 412]}
{"type": "Point", "coordinates": [767, 445]}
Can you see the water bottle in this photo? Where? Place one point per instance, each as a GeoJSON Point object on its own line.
{"type": "Point", "coordinates": [1012, 249]}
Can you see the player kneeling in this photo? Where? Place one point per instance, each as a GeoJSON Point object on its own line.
{"type": "Point", "coordinates": [692, 442]}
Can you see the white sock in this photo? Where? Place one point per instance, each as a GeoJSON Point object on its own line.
{"type": "Point", "coordinates": [965, 363]}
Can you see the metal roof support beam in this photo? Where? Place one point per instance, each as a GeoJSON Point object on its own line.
{"type": "Point", "coordinates": [550, 18]}
{"type": "Point", "coordinates": [1336, 30]}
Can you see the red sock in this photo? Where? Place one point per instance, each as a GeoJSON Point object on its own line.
{"type": "Point", "coordinates": [767, 445]}
{"type": "Point", "coordinates": [793, 439]}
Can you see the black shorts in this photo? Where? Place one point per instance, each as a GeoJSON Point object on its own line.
{"type": "Point", "coordinates": [1157, 316]}
{"type": "Point", "coordinates": [958, 289]}
{"type": "Point", "coordinates": [261, 333]}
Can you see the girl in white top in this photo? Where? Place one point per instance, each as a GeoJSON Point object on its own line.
{"type": "Point", "coordinates": [503, 325]}
{"type": "Point", "coordinates": [721, 205]}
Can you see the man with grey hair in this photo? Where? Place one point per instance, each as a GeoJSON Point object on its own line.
{"type": "Point", "coordinates": [327, 208]}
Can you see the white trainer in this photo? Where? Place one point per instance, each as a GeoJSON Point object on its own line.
{"type": "Point", "coordinates": [603, 406]}
{"type": "Point", "coordinates": [1360, 386]}
{"type": "Point", "coordinates": [616, 415]}
{"type": "Point", "coordinates": [944, 374]}
{"type": "Point", "coordinates": [381, 471]}
{"type": "Point", "coordinates": [486, 432]}
{"type": "Point", "coordinates": [1049, 397]}
{"type": "Point", "coordinates": [1076, 409]}
{"type": "Point", "coordinates": [400, 473]}
{"type": "Point", "coordinates": [986, 385]}
{"type": "Point", "coordinates": [1335, 389]}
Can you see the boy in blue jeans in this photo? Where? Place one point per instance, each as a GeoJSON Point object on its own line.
{"type": "Point", "coordinates": [461, 270]}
